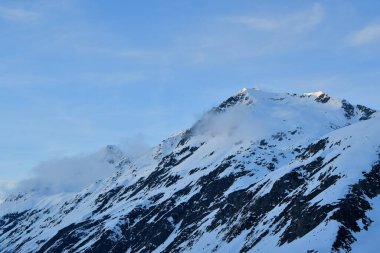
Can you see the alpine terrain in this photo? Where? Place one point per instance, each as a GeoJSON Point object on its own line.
{"type": "Point", "coordinates": [261, 172]}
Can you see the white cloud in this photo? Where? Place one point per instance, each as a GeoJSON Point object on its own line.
{"type": "Point", "coordinates": [366, 35]}
{"type": "Point", "coordinates": [295, 22]}
{"type": "Point", "coordinates": [18, 15]}
{"type": "Point", "coordinates": [71, 174]}
{"type": "Point", "coordinates": [74, 173]}
{"type": "Point", "coordinates": [238, 121]}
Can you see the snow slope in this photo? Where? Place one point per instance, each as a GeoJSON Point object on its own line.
{"type": "Point", "coordinates": [261, 172]}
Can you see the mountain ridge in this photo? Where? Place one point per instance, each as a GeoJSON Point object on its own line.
{"type": "Point", "coordinates": [260, 172]}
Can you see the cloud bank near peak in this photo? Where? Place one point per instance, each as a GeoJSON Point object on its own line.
{"type": "Point", "coordinates": [71, 174]}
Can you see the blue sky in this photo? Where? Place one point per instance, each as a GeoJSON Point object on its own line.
{"type": "Point", "coordinates": [78, 75]}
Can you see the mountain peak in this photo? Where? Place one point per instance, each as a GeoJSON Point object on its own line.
{"type": "Point", "coordinates": [243, 90]}
{"type": "Point", "coordinates": [316, 93]}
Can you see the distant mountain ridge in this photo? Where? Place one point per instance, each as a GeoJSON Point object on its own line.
{"type": "Point", "coordinates": [261, 172]}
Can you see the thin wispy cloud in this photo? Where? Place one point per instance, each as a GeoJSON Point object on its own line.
{"type": "Point", "coordinates": [367, 35]}
{"type": "Point", "coordinates": [295, 22]}
{"type": "Point", "coordinates": [18, 15]}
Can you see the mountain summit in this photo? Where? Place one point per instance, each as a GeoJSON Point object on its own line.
{"type": "Point", "coordinates": [261, 172]}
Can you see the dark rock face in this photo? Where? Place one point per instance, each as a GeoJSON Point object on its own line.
{"type": "Point", "coordinates": [367, 112]}
{"type": "Point", "coordinates": [10, 221]}
{"type": "Point", "coordinates": [67, 237]}
{"type": "Point", "coordinates": [239, 98]}
{"type": "Point", "coordinates": [348, 109]}
{"type": "Point", "coordinates": [324, 98]}
{"type": "Point", "coordinates": [353, 208]}
{"type": "Point", "coordinates": [313, 148]}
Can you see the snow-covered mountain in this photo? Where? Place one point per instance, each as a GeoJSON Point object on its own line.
{"type": "Point", "coordinates": [261, 172]}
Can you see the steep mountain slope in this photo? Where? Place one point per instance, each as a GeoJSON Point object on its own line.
{"type": "Point", "coordinates": [262, 172]}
